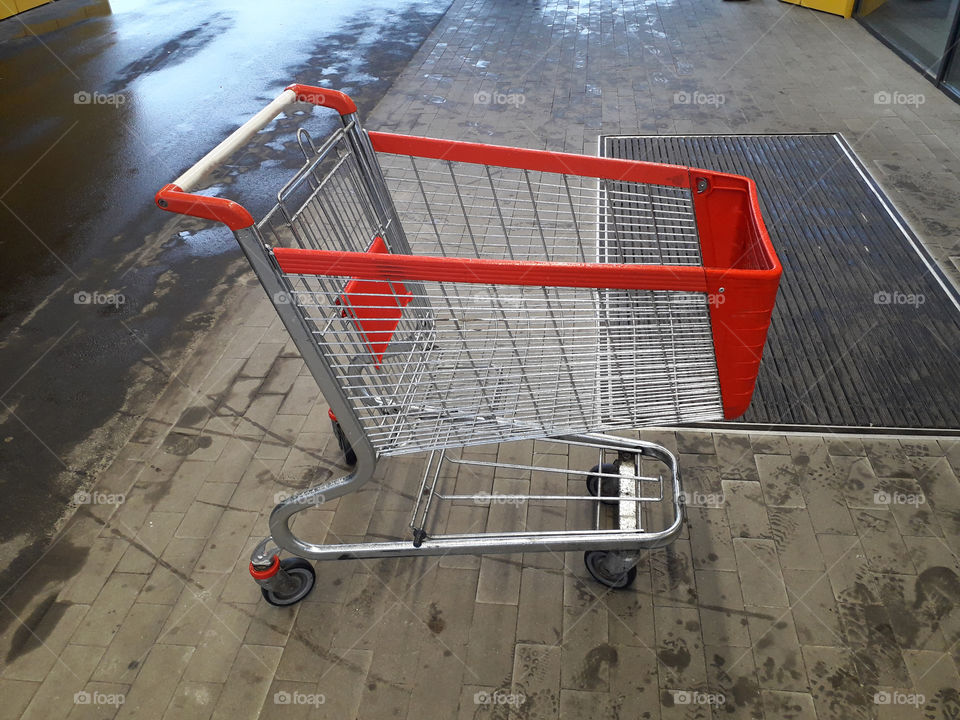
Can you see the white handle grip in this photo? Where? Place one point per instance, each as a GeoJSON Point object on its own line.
{"type": "Point", "coordinates": [237, 139]}
{"type": "Point", "coordinates": [177, 196]}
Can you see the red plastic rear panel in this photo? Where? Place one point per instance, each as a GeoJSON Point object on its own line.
{"type": "Point", "coordinates": [743, 274]}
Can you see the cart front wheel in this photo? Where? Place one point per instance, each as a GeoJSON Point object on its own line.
{"type": "Point", "coordinates": [610, 486]}
{"type": "Point", "coordinates": [596, 562]}
{"type": "Point", "coordinates": [303, 573]}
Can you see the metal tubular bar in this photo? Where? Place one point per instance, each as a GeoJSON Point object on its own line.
{"type": "Point", "coordinates": [531, 468]}
{"type": "Point", "coordinates": [419, 530]}
{"type": "Point", "coordinates": [423, 485]}
{"type": "Point", "coordinates": [493, 499]}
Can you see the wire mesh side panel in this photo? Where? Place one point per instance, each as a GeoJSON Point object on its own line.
{"type": "Point", "coordinates": [466, 210]}
{"type": "Point", "coordinates": [655, 364]}
{"type": "Point", "coordinates": [647, 225]}
{"type": "Point", "coordinates": [655, 228]}
{"type": "Point", "coordinates": [599, 359]}
{"type": "Point", "coordinates": [438, 364]}
{"type": "Point", "coordinates": [328, 205]}
{"type": "Point", "coordinates": [489, 363]}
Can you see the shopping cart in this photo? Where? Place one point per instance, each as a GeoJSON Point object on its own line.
{"type": "Point", "coordinates": [448, 295]}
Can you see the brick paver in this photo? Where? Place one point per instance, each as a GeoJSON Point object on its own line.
{"type": "Point", "coordinates": [825, 572]}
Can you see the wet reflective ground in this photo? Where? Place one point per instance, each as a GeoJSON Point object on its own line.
{"type": "Point", "coordinates": [101, 293]}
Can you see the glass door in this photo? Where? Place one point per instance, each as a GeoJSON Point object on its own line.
{"type": "Point", "coordinates": [919, 29]}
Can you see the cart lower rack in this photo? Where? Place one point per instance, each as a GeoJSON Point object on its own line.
{"type": "Point", "coordinates": [449, 295]}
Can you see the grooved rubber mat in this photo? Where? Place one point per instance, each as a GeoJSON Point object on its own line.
{"type": "Point", "coordinates": [866, 331]}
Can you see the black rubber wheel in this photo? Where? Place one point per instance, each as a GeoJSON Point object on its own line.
{"type": "Point", "coordinates": [611, 487]}
{"type": "Point", "coordinates": [593, 559]}
{"type": "Point", "coordinates": [306, 578]}
{"type": "Point", "coordinates": [348, 454]}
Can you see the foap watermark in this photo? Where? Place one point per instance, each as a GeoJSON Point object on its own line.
{"type": "Point", "coordinates": [314, 98]}
{"type": "Point", "coordinates": [498, 697]}
{"type": "Point", "coordinates": [895, 697]}
{"type": "Point", "coordinates": [485, 498]}
{"type": "Point", "coordinates": [886, 297]}
{"type": "Point", "coordinates": [896, 297]}
{"type": "Point", "coordinates": [695, 697]}
{"type": "Point", "coordinates": [85, 497]}
{"type": "Point", "coordinates": [282, 297]}
{"type": "Point", "coordinates": [84, 97]}
{"type": "Point", "coordinates": [699, 499]}
{"type": "Point", "coordinates": [285, 697]}
{"type": "Point", "coordinates": [881, 497]}
{"type": "Point", "coordinates": [85, 297]}
{"type": "Point", "coordinates": [100, 699]}
{"type": "Point", "coordinates": [697, 97]}
{"type": "Point", "coordinates": [885, 97]}
{"type": "Point", "coordinates": [713, 299]}
{"type": "Point", "coordinates": [284, 495]}
{"type": "Point", "coordinates": [498, 98]}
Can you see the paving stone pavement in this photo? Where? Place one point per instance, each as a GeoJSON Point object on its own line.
{"type": "Point", "coordinates": [818, 579]}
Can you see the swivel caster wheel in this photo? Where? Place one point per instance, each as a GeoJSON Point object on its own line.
{"type": "Point", "coordinates": [610, 486]}
{"type": "Point", "coordinates": [605, 570]}
{"type": "Point", "coordinates": [304, 577]}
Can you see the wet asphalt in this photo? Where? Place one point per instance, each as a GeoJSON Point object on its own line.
{"type": "Point", "coordinates": [101, 293]}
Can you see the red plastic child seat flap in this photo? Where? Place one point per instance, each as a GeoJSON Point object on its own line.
{"type": "Point", "coordinates": [375, 306]}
